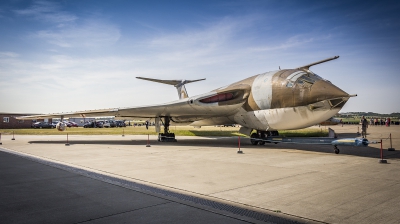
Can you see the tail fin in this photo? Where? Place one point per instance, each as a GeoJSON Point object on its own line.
{"type": "Point", "coordinates": [179, 85]}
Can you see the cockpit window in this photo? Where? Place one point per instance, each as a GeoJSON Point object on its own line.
{"type": "Point", "coordinates": [306, 78]}
{"type": "Point", "coordinates": [290, 84]}
{"type": "Point", "coordinates": [302, 78]}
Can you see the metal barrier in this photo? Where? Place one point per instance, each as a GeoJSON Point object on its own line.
{"type": "Point", "coordinates": [67, 144]}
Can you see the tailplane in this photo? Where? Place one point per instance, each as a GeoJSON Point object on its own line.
{"type": "Point", "coordinates": [179, 85]}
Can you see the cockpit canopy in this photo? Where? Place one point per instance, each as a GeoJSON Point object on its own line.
{"type": "Point", "coordinates": [302, 78]}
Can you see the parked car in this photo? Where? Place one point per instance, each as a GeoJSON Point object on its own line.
{"type": "Point", "coordinates": [92, 124]}
{"type": "Point", "coordinates": [99, 124]}
{"type": "Point", "coordinates": [73, 124]}
{"type": "Point", "coordinates": [106, 124]}
{"type": "Point", "coordinates": [112, 124]}
{"type": "Point", "coordinates": [88, 124]}
{"type": "Point", "coordinates": [42, 125]}
{"type": "Point", "coordinates": [120, 124]}
{"type": "Point", "coordinates": [229, 125]}
{"type": "Point", "coordinates": [109, 124]}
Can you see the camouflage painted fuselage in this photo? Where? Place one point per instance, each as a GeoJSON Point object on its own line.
{"type": "Point", "coordinates": [278, 100]}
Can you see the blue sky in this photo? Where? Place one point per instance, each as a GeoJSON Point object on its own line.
{"type": "Point", "coordinates": [59, 56]}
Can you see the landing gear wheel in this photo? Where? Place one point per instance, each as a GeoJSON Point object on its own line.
{"type": "Point", "coordinates": [262, 142]}
{"type": "Point", "coordinates": [166, 136]}
{"type": "Point", "coordinates": [253, 138]}
{"type": "Point", "coordinates": [337, 151]}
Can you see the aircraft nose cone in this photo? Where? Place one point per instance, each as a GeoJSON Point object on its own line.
{"type": "Point", "coordinates": [324, 90]}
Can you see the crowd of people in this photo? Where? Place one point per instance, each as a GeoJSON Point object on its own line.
{"type": "Point", "coordinates": [373, 121]}
{"type": "Point", "coordinates": [381, 121]}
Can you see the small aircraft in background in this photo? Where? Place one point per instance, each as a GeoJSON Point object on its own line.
{"type": "Point", "coordinates": [278, 100]}
{"type": "Point", "coordinates": [331, 121]}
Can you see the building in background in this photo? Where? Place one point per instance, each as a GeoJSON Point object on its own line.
{"type": "Point", "coordinates": [8, 121]}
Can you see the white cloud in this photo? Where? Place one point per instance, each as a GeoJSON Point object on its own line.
{"type": "Point", "coordinates": [299, 40]}
{"type": "Point", "coordinates": [70, 31]}
{"type": "Point", "coordinates": [91, 33]}
{"type": "Point", "coordinates": [8, 54]}
{"type": "Point", "coordinates": [48, 12]}
{"type": "Point", "coordinates": [208, 44]}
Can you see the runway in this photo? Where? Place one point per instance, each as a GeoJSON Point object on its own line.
{"type": "Point", "coordinates": [288, 183]}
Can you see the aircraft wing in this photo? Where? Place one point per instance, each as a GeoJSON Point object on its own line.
{"type": "Point", "coordinates": [86, 113]}
{"type": "Point", "coordinates": [216, 103]}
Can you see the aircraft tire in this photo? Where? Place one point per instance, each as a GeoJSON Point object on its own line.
{"type": "Point", "coordinates": [337, 151]}
{"type": "Point", "coordinates": [262, 134]}
{"type": "Point", "coordinates": [252, 139]}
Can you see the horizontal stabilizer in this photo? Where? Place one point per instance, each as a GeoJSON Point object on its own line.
{"type": "Point", "coordinates": [179, 84]}
{"type": "Point", "coordinates": [171, 82]}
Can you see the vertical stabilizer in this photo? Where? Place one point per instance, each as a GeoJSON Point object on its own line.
{"type": "Point", "coordinates": [179, 85]}
{"type": "Point", "coordinates": [182, 93]}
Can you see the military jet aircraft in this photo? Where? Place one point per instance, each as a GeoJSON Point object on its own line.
{"type": "Point", "coordinates": [268, 102]}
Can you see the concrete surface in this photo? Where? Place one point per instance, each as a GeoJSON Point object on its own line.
{"type": "Point", "coordinates": [306, 181]}
{"type": "Point", "coordinates": [32, 192]}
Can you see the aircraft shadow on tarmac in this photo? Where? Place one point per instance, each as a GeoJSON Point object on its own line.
{"type": "Point", "coordinates": [232, 142]}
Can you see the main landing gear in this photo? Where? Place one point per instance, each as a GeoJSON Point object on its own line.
{"type": "Point", "coordinates": [259, 138]}
{"type": "Point", "coordinates": [166, 136]}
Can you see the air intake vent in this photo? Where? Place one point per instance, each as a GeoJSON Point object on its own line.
{"type": "Point", "coordinates": [337, 103]}
{"type": "Point", "coordinates": [218, 98]}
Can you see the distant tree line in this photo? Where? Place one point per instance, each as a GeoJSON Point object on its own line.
{"type": "Point", "coordinates": [368, 114]}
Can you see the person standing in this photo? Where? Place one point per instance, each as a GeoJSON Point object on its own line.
{"type": "Point", "coordinates": [364, 126]}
